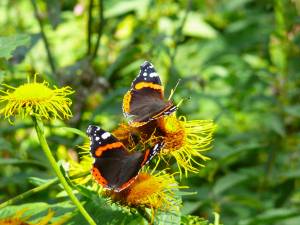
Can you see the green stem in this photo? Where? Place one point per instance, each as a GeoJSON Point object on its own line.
{"type": "Point", "coordinates": [89, 27]}
{"type": "Point", "coordinates": [28, 193]}
{"type": "Point", "coordinates": [39, 127]}
{"type": "Point", "coordinates": [217, 219]}
{"type": "Point", "coordinates": [145, 215]}
{"type": "Point", "coordinates": [100, 28]}
{"type": "Point", "coordinates": [42, 187]}
{"type": "Point", "coordinates": [45, 40]}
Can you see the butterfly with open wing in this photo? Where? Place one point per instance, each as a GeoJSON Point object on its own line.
{"type": "Point", "coordinates": [115, 168]}
{"type": "Point", "coordinates": [145, 101]}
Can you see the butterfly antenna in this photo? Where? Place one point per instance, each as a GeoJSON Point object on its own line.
{"type": "Point", "coordinates": [174, 89]}
{"type": "Point", "coordinates": [182, 100]}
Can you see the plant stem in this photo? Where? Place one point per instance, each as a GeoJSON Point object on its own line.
{"type": "Point", "coordinates": [100, 28]}
{"type": "Point", "coordinates": [217, 219]}
{"type": "Point", "coordinates": [32, 191]}
{"type": "Point", "coordinates": [39, 127]}
{"type": "Point", "coordinates": [45, 40]}
{"type": "Point", "coordinates": [145, 215]}
{"type": "Point", "coordinates": [89, 28]}
{"type": "Point", "coordinates": [28, 193]}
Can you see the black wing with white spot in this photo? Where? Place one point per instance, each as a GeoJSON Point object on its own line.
{"type": "Point", "coordinates": [119, 173]}
{"type": "Point", "coordinates": [147, 74]}
{"type": "Point", "coordinates": [115, 167]}
{"type": "Point", "coordinates": [101, 139]}
{"type": "Point", "coordinates": [153, 151]}
{"type": "Point", "coordinates": [145, 100]}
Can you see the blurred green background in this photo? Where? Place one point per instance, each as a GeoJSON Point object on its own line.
{"type": "Point", "coordinates": [238, 61]}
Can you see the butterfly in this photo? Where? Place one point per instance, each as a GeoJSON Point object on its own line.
{"type": "Point", "coordinates": [114, 167]}
{"type": "Point", "coordinates": [145, 101]}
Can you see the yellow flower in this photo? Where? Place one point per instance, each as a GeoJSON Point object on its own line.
{"type": "Point", "coordinates": [82, 167]}
{"type": "Point", "coordinates": [184, 140]}
{"type": "Point", "coordinates": [19, 219]}
{"type": "Point", "coordinates": [152, 191]}
{"type": "Point", "coordinates": [155, 191]}
{"type": "Point", "coordinates": [36, 98]}
{"type": "Point", "coordinates": [125, 134]}
{"type": "Point", "coordinates": [187, 140]}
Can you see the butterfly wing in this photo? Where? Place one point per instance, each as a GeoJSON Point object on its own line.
{"type": "Point", "coordinates": [114, 167]}
{"type": "Point", "coordinates": [102, 141]}
{"type": "Point", "coordinates": [145, 100]}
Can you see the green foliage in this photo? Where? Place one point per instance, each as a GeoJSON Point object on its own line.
{"type": "Point", "coordinates": [37, 210]}
{"type": "Point", "coordinates": [238, 62]}
{"type": "Point", "coordinates": [10, 43]}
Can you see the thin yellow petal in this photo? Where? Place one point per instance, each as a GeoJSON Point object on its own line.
{"type": "Point", "coordinates": [36, 98]}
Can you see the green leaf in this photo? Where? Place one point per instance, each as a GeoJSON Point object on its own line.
{"type": "Point", "coordinates": [73, 130]}
{"type": "Point", "coordinates": [10, 43]}
{"type": "Point", "coordinates": [293, 110]}
{"type": "Point", "coordinates": [104, 211]}
{"type": "Point", "coordinates": [37, 211]}
{"type": "Point", "coordinates": [54, 10]}
{"type": "Point", "coordinates": [167, 217]}
{"type": "Point", "coordinates": [271, 216]}
{"type": "Point", "coordinates": [122, 7]}
{"type": "Point", "coordinates": [290, 174]}
{"type": "Point", "coordinates": [277, 52]}
{"type": "Point", "coordinates": [190, 206]}
{"type": "Point", "coordinates": [275, 123]}
{"type": "Point", "coordinates": [297, 4]}
{"type": "Point", "coordinates": [228, 181]}
{"type": "Point", "coordinates": [193, 220]}
{"type": "Point", "coordinates": [21, 161]}
{"type": "Point", "coordinates": [195, 26]}
{"type": "Point", "coordinates": [38, 181]}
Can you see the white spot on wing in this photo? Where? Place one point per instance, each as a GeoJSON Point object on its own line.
{"type": "Point", "coordinates": [105, 135]}
{"type": "Point", "coordinates": [89, 130]}
{"type": "Point", "coordinates": [145, 74]}
{"type": "Point", "coordinates": [97, 138]}
{"type": "Point", "coordinates": [153, 74]}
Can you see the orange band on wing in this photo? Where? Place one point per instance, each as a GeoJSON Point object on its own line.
{"type": "Point", "coordinates": [101, 149]}
{"type": "Point", "coordinates": [98, 177]}
{"type": "Point", "coordinates": [146, 156]}
{"type": "Point", "coordinates": [141, 85]}
{"type": "Point", "coordinates": [126, 102]}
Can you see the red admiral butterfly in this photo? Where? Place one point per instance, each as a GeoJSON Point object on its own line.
{"type": "Point", "coordinates": [115, 168]}
{"type": "Point", "coordinates": [145, 100]}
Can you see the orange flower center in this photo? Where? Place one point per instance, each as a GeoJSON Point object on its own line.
{"type": "Point", "coordinates": [174, 140]}
{"type": "Point", "coordinates": [144, 187]}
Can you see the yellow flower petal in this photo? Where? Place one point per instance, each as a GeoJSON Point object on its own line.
{"type": "Point", "coordinates": [36, 98]}
{"type": "Point", "coordinates": [152, 191]}
{"type": "Point", "coordinates": [82, 167]}
{"type": "Point", "coordinates": [187, 140]}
